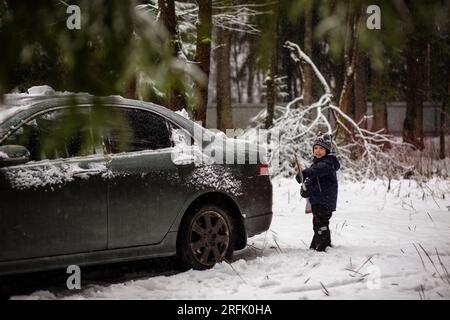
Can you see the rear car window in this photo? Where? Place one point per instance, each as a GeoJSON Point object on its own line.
{"type": "Point", "coordinates": [129, 130]}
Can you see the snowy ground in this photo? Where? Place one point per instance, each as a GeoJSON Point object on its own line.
{"type": "Point", "coordinates": [392, 245]}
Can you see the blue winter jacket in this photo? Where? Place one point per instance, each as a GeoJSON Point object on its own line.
{"type": "Point", "coordinates": [323, 185]}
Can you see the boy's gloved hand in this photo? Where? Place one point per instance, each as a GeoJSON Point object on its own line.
{"type": "Point", "coordinates": [304, 189]}
{"type": "Point", "coordinates": [307, 183]}
{"type": "Point", "coordinates": [304, 193]}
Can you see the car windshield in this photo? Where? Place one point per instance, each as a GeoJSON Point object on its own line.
{"type": "Point", "coordinates": [13, 103]}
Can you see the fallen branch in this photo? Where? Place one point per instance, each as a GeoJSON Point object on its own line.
{"type": "Point", "coordinates": [432, 262]}
{"type": "Point", "coordinates": [278, 245]}
{"type": "Point", "coordinates": [354, 271]}
{"type": "Point", "coordinates": [443, 266]}
{"type": "Point", "coordinates": [430, 217]}
{"type": "Point", "coordinates": [423, 263]}
{"type": "Point", "coordinates": [297, 128]}
{"type": "Point", "coordinates": [325, 290]}
{"type": "Point", "coordinates": [368, 260]}
{"type": "Point", "coordinates": [228, 262]}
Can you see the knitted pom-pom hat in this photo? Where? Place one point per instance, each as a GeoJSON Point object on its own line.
{"type": "Point", "coordinates": [325, 141]}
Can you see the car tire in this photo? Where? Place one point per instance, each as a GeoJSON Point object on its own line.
{"type": "Point", "coordinates": [206, 237]}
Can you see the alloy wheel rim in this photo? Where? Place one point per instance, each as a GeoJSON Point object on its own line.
{"type": "Point", "coordinates": [209, 238]}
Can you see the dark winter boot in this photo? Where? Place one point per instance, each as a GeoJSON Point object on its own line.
{"type": "Point", "coordinates": [324, 238]}
{"type": "Point", "coordinates": [316, 226]}
{"type": "Point", "coordinates": [327, 240]}
{"type": "Point", "coordinates": [314, 242]}
{"type": "Point", "coordinates": [322, 235]}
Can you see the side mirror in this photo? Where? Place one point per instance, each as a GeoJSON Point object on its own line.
{"type": "Point", "coordinates": [13, 155]}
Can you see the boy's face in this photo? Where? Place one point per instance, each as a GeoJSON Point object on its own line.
{"type": "Point", "coordinates": [319, 151]}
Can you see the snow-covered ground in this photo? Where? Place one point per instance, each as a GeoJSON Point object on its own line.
{"type": "Point", "coordinates": [387, 245]}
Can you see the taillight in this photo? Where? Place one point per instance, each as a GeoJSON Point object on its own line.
{"type": "Point", "coordinates": [263, 169]}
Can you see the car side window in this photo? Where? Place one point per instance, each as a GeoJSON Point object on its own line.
{"type": "Point", "coordinates": [62, 133]}
{"type": "Point", "coordinates": [129, 130]}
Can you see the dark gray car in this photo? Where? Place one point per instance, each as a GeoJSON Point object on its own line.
{"type": "Point", "coordinates": [87, 180]}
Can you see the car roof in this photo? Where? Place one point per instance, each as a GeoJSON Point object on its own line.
{"type": "Point", "coordinates": [17, 107]}
{"type": "Point", "coordinates": [29, 104]}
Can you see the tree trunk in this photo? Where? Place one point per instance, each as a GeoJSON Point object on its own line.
{"type": "Point", "coordinates": [223, 85]}
{"type": "Point", "coordinates": [444, 115]}
{"type": "Point", "coordinates": [428, 73]}
{"type": "Point", "coordinates": [360, 87]}
{"type": "Point", "coordinates": [131, 89]}
{"type": "Point", "coordinates": [338, 73]}
{"type": "Point", "coordinates": [169, 20]}
{"type": "Point", "coordinates": [175, 95]}
{"type": "Point", "coordinates": [250, 70]}
{"type": "Point", "coordinates": [236, 50]}
{"type": "Point", "coordinates": [346, 99]}
{"type": "Point", "coordinates": [288, 70]}
{"type": "Point", "coordinates": [378, 103]}
{"type": "Point", "coordinates": [415, 92]}
{"type": "Point", "coordinates": [442, 132]}
{"type": "Point", "coordinates": [379, 108]}
{"type": "Point", "coordinates": [270, 81]}
{"type": "Point", "coordinates": [350, 53]}
{"type": "Point", "coordinates": [260, 87]}
{"type": "Point", "coordinates": [308, 44]}
{"type": "Point", "coordinates": [203, 57]}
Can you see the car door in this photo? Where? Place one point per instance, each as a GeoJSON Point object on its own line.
{"type": "Point", "coordinates": [145, 190]}
{"type": "Point", "coordinates": [56, 203]}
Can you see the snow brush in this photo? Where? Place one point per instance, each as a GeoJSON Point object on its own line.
{"type": "Point", "coordinates": [303, 186]}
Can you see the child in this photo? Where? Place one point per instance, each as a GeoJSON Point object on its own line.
{"type": "Point", "coordinates": [321, 189]}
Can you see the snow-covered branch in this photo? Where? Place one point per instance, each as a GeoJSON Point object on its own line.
{"type": "Point", "coordinates": [296, 127]}
{"type": "Point", "coordinates": [238, 18]}
{"type": "Point", "coordinates": [297, 55]}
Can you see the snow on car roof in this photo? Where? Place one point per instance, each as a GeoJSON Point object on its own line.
{"type": "Point", "coordinates": [13, 103]}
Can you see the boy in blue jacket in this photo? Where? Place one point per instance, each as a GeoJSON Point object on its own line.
{"type": "Point", "coordinates": [321, 189]}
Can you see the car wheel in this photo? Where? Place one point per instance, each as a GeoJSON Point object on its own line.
{"type": "Point", "coordinates": [206, 238]}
